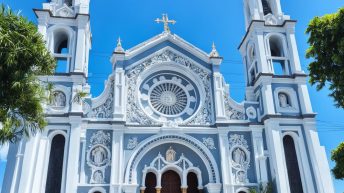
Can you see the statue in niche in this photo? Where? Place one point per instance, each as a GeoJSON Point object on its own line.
{"type": "Point", "coordinates": [241, 177]}
{"type": "Point", "coordinates": [239, 156]}
{"type": "Point", "coordinates": [283, 100]}
{"type": "Point", "coordinates": [98, 177]}
{"type": "Point", "coordinates": [59, 99]}
{"type": "Point", "coordinates": [98, 155]}
{"type": "Point", "coordinates": [170, 155]}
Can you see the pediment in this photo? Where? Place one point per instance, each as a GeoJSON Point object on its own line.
{"type": "Point", "coordinates": [64, 11]}
{"type": "Point", "coordinates": [162, 41]}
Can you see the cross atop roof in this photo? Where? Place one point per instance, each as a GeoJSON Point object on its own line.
{"type": "Point", "coordinates": [166, 21]}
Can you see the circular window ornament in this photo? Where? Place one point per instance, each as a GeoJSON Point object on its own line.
{"type": "Point", "coordinates": [167, 96]}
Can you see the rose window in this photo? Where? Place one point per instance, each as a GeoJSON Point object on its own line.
{"type": "Point", "coordinates": [167, 96]}
{"type": "Point", "coordinates": [168, 99]}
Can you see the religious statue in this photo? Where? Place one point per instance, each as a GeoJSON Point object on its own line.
{"type": "Point", "coordinates": [170, 155]}
{"type": "Point", "coordinates": [98, 155]}
{"type": "Point", "coordinates": [283, 100]}
{"type": "Point", "coordinates": [59, 99]}
{"type": "Point", "coordinates": [98, 177]}
{"type": "Point", "coordinates": [239, 156]}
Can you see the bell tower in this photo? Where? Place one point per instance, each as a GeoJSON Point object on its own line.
{"type": "Point", "coordinates": [66, 28]}
{"type": "Point", "coordinates": [275, 80]}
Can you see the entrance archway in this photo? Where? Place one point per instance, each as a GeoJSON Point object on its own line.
{"type": "Point", "coordinates": [170, 182]}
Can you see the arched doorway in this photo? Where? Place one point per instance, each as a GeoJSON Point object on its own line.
{"type": "Point", "coordinates": [150, 183]}
{"type": "Point", "coordinates": [170, 182]}
{"type": "Point", "coordinates": [192, 183]}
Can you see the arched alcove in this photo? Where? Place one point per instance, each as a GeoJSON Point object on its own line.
{"type": "Point", "coordinates": [150, 183]}
{"type": "Point", "coordinates": [293, 168]}
{"type": "Point", "coordinates": [192, 182]}
{"type": "Point", "coordinates": [55, 167]}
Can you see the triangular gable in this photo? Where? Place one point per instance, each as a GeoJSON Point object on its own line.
{"type": "Point", "coordinates": [163, 41]}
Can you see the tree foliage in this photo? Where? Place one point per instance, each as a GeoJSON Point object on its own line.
{"type": "Point", "coordinates": [23, 57]}
{"type": "Point", "coordinates": [327, 49]}
{"type": "Point", "coordinates": [338, 157]}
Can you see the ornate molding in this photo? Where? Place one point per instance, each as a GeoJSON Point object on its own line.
{"type": "Point", "coordinates": [233, 113]}
{"type": "Point", "coordinates": [209, 143]}
{"type": "Point", "coordinates": [99, 156]}
{"type": "Point", "coordinates": [137, 116]}
{"type": "Point", "coordinates": [240, 157]}
{"type": "Point", "coordinates": [105, 110]}
{"type": "Point", "coordinates": [132, 143]}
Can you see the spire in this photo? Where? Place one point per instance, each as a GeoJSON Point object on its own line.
{"type": "Point", "coordinates": [119, 47]}
{"type": "Point", "coordinates": [214, 53]}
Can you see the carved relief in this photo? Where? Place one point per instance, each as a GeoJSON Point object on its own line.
{"type": "Point", "coordinates": [284, 101]}
{"type": "Point", "coordinates": [59, 100]}
{"type": "Point", "coordinates": [132, 143]}
{"type": "Point", "coordinates": [136, 115]}
{"type": "Point", "coordinates": [231, 112]}
{"type": "Point", "coordinates": [240, 157]}
{"type": "Point", "coordinates": [104, 111]}
{"type": "Point", "coordinates": [209, 143]}
{"type": "Point", "coordinates": [99, 156]}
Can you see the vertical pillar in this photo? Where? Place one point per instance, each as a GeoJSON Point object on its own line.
{"type": "Point", "coordinates": [73, 155]}
{"type": "Point", "coordinates": [318, 158]}
{"type": "Point", "coordinates": [268, 100]}
{"type": "Point", "coordinates": [225, 168]}
{"type": "Point", "coordinates": [261, 53]}
{"type": "Point", "coordinates": [293, 52]}
{"type": "Point", "coordinates": [83, 157]}
{"type": "Point", "coordinates": [119, 98]}
{"type": "Point", "coordinates": [42, 160]}
{"type": "Point", "coordinates": [116, 161]}
{"type": "Point", "coordinates": [219, 99]}
{"type": "Point", "coordinates": [261, 167]}
{"type": "Point", "coordinates": [29, 163]}
{"type": "Point", "coordinates": [305, 101]}
{"type": "Point", "coordinates": [275, 145]}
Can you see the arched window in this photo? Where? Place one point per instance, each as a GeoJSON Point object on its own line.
{"type": "Point", "coordinates": [55, 167]}
{"type": "Point", "coordinates": [293, 169]}
{"type": "Point", "coordinates": [266, 7]}
{"type": "Point", "coordinates": [61, 50]}
{"type": "Point", "coordinates": [96, 192]}
{"type": "Point", "coordinates": [278, 59]}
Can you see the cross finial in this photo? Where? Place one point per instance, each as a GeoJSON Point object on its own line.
{"type": "Point", "coordinates": [214, 52]}
{"type": "Point", "coordinates": [166, 21]}
{"type": "Point", "coordinates": [119, 47]}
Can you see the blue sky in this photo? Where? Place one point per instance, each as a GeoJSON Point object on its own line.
{"type": "Point", "coordinates": [200, 22]}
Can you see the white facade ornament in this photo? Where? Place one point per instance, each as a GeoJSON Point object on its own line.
{"type": "Point", "coordinates": [251, 112]}
{"type": "Point", "coordinates": [134, 112]}
{"type": "Point", "coordinates": [233, 113]}
{"type": "Point", "coordinates": [119, 47]}
{"type": "Point", "coordinates": [171, 155]}
{"type": "Point", "coordinates": [240, 157]}
{"type": "Point", "coordinates": [99, 156]}
{"type": "Point", "coordinates": [59, 100]}
{"type": "Point", "coordinates": [132, 143]}
{"type": "Point", "coordinates": [105, 110]}
{"type": "Point", "coordinates": [209, 143]}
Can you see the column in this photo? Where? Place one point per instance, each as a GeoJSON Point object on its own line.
{"type": "Point", "coordinates": [305, 101]}
{"type": "Point", "coordinates": [261, 166]}
{"type": "Point", "coordinates": [42, 161]}
{"type": "Point", "coordinates": [293, 52]}
{"type": "Point", "coordinates": [318, 158]}
{"type": "Point", "coordinates": [225, 168]}
{"type": "Point", "coordinates": [268, 100]}
{"type": "Point", "coordinates": [73, 151]}
{"type": "Point", "coordinates": [116, 162]}
{"type": "Point", "coordinates": [219, 99]}
{"type": "Point", "coordinates": [119, 98]}
{"type": "Point", "coordinates": [275, 145]}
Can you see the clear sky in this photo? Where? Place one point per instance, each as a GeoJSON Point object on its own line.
{"type": "Point", "coordinates": [200, 22]}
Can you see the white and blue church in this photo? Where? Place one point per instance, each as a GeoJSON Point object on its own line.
{"type": "Point", "coordinates": [166, 122]}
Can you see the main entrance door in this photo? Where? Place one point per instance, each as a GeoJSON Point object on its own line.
{"type": "Point", "coordinates": [170, 182]}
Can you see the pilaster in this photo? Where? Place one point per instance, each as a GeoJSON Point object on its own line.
{"type": "Point", "coordinates": [73, 154]}
{"type": "Point", "coordinates": [117, 161]}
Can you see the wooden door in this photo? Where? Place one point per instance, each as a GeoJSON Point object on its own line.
{"type": "Point", "coordinates": [192, 183]}
{"type": "Point", "coordinates": [170, 182]}
{"type": "Point", "coordinates": [150, 183]}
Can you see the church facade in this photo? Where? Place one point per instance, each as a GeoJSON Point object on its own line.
{"type": "Point", "coordinates": [165, 122]}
